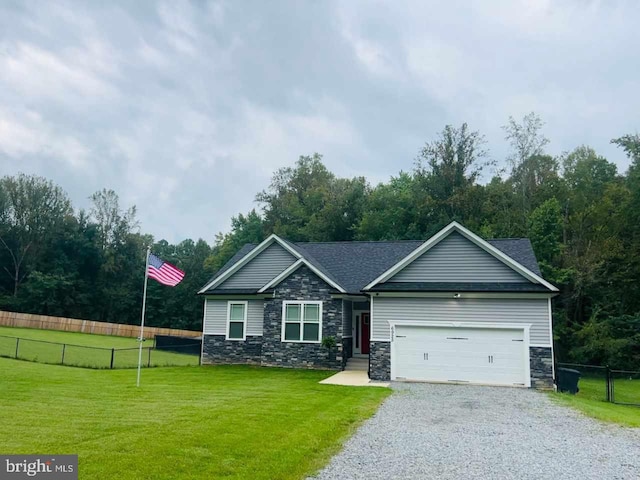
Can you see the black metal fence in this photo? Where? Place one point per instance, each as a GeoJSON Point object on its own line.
{"type": "Point", "coordinates": [43, 351]}
{"type": "Point", "coordinates": [606, 384]}
{"type": "Point", "coordinates": [173, 343]}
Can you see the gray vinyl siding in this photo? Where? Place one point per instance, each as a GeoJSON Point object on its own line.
{"type": "Point", "coordinates": [347, 313]}
{"type": "Point", "coordinates": [269, 263]}
{"type": "Point", "coordinates": [215, 317]}
{"type": "Point", "coordinates": [457, 259]}
{"type": "Point", "coordinates": [534, 311]}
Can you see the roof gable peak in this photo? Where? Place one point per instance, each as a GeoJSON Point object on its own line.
{"type": "Point", "coordinates": [266, 243]}
{"type": "Point", "coordinates": [469, 235]}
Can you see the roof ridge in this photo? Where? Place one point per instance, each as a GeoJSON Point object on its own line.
{"type": "Point", "coordinates": [394, 241]}
{"type": "Point", "coordinates": [358, 241]}
{"type": "Point", "coordinates": [507, 238]}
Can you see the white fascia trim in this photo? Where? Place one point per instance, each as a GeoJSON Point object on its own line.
{"type": "Point", "coordinates": [294, 267]}
{"type": "Point", "coordinates": [462, 295]}
{"type": "Point", "coordinates": [442, 234]}
{"type": "Point", "coordinates": [540, 345]}
{"type": "Point", "coordinates": [248, 257]}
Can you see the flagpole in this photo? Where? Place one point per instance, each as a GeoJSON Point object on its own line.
{"type": "Point", "coordinates": [144, 303]}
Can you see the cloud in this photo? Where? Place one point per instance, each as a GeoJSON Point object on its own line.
{"type": "Point", "coordinates": [25, 134]}
{"type": "Point", "coordinates": [39, 73]}
{"type": "Point", "coordinates": [152, 56]}
{"type": "Point", "coordinates": [186, 108]}
{"type": "Point", "coordinates": [267, 140]}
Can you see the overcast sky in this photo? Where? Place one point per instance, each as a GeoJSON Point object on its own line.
{"type": "Point", "coordinates": [186, 109]}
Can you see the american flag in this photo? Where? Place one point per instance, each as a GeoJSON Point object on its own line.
{"type": "Point", "coordinates": [164, 272]}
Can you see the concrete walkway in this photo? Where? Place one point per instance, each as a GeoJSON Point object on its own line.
{"type": "Point", "coordinates": [352, 378]}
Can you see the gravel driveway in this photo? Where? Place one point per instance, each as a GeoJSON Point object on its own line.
{"type": "Point", "coordinates": [427, 431]}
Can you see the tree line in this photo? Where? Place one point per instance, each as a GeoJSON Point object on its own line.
{"type": "Point", "coordinates": [88, 264]}
{"type": "Point", "coordinates": [580, 212]}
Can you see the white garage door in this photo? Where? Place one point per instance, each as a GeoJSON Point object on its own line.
{"type": "Point", "coordinates": [450, 354]}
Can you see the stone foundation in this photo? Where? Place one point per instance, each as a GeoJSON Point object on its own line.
{"type": "Point", "coordinates": [541, 364]}
{"type": "Point", "coordinates": [380, 360]}
{"type": "Point", "coordinates": [217, 350]}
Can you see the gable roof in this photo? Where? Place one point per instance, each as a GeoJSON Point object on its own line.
{"type": "Point", "coordinates": [233, 266]}
{"type": "Point", "coordinates": [483, 244]}
{"type": "Point", "coordinates": [355, 265]}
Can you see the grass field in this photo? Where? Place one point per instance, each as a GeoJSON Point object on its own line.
{"type": "Point", "coordinates": [184, 422]}
{"type": "Point", "coordinates": [591, 400]}
{"type": "Point", "coordinates": [74, 354]}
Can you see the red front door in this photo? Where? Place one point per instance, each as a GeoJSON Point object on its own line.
{"type": "Point", "coordinates": [364, 329]}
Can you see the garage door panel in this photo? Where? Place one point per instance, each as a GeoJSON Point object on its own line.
{"type": "Point", "coordinates": [478, 355]}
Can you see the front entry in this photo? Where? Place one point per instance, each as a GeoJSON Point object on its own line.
{"type": "Point", "coordinates": [364, 335]}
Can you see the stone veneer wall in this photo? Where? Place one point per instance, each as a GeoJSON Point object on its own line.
{"type": "Point", "coordinates": [303, 284]}
{"type": "Point", "coordinates": [379, 360]}
{"type": "Point", "coordinates": [217, 350]}
{"type": "Point", "coordinates": [541, 364]}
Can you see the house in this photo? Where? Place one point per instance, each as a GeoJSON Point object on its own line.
{"type": "Point", "coordinates": [454, 308]}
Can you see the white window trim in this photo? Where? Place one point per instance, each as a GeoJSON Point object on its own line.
{"type": "Point", "coordinates": [244, 327]}
{"type": "Point", "coordinates": [301, 303]}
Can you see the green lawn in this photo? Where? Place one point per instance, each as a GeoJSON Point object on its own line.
{"type": "Point", "coordinates": [591, 400]}
{"type": "Point", "coordinates": [74, 354]}
{"type": "Point", "coordinates": [183, 422]}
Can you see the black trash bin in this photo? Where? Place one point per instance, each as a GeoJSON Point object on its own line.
{"type": "Point", "coordinates": [568, 380]}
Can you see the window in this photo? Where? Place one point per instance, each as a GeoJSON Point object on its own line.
{"type": "Point", "coordinates": [302, 322]}
{"type": "Point", "coordinates": [236, 320]}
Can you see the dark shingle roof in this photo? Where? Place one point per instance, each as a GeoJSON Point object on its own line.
{"type": "Point", "coordinates": [520, 249]}
{"type": "Point", "coordinates": [353, 265]}
{"type": "Point", "coordinates": [308, 256]}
